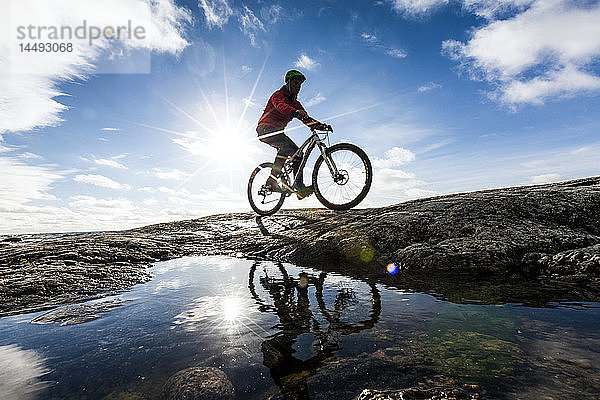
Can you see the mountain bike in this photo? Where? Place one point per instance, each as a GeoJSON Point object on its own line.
{"type": "Point", "coordinates": [341, 177]}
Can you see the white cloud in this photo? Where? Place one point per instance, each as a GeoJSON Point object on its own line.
{"type": "Point", "coordinates": [368, 37]}
{"type": "Point", "coordinates": [250, 25]}
{"type": "Point", "coordinates": [22, 183]}
{"type": "Point", "coordinates": [149, 201]}
{"type": "Point", "coordinates": [29, 81]}
{"type": "Point", "coordinates": [318, 98]}
{"type": "Point", "coordinates": [306, 62]}
{"type": "Point", "coordinates": [119, 205]}
{"type": "Point", "coordinates": [271, 14]}
{"type": "Point", "coordinates": [492, 8]}
{"type": "Point", "coordinates": [173, 174]}
{"type": "Point", "coordinates": [396, 53]}
{"type": "Point", "coordinates": [392, 185]}
{"type": "Point", "coordinates": [417, 6]}
{"type": "Point", "coordinates": [30, 156]}
{"type": "Point", "coordinates": [216, 12]}
{"type": "Point", "coordinates": [109, 163]}
{"type": "Point", "coordinates": [100, 180]}
{"type": "Point", "coordinates": [375, 43]}
{"type": "Point", "coordinates": [111, 129]}
{"type": "Point", "coordinates": [428, 87]}
{"type": "Point", "coordinates": [528, 58]}
{"type": "Point", "coordinates": [394, 157]}
{"type": "Point", "coordinates": [546, 178]}
{"type": "Point", "coordinates": [581, 161]}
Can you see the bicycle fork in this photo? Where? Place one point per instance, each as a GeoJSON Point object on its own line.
{"type": "Point", "coordinates": [328, 160]}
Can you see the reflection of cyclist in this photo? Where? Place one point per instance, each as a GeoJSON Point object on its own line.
{"type": "Point", "coordinates": [291, 304]}
{"type": "Point", "coordinates": [281, 108]}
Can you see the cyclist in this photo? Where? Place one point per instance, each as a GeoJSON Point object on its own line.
{"type": "Point", "coordinates": [282, 107]}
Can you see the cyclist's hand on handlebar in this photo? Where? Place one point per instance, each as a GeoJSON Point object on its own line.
{"type": "Point", "coordinates": [323, 127]}
{"type": "Point", "coordinates": [302, 115]}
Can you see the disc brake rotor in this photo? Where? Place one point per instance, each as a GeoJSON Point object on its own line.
{"type": "Point", "coordinates": [342, 177]}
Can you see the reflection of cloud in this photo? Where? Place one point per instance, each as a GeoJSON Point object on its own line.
{"type": "Point", "coordinates": [20, 373]}
{"type": "Point", "coordinates": [173, 284]}
{"type": "Point", "coordinates": [179, 264]}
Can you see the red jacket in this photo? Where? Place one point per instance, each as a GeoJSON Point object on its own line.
{"type": "Point", "coordinates": [280, 110]}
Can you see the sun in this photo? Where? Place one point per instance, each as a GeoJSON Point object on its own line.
{"type": "Point", "coordinates": [228, 145]}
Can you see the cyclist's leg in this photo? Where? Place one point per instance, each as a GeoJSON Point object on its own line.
{"type": "Point", "coordinates": [285, 148]}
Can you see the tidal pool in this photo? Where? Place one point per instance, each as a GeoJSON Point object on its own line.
{"type": "Point", "coordinates": [281, 331]}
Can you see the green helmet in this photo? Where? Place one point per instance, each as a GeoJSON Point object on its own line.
{"type": "Point", "coordinates": [292, 73]}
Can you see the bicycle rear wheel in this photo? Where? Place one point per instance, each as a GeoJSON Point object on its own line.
{"type": "Point", "coordinates": [352, 182]}
{"type": "Point", "coordinates": [262, 200]}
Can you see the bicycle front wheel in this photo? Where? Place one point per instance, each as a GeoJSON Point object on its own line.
{"type": "Point", "coordinates": [348, 186]}
{"type": "Point", "coordinates": [262, 200]}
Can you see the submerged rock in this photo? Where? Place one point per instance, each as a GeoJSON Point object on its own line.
{"type": "Point", "coordinates": [533, 245]}
{"type": "Point", "coordinates": [76, 313]}
{"type": "Point", "coordinates": [206, 383]}
{"type": "Point", "coordinates": [422, 394]}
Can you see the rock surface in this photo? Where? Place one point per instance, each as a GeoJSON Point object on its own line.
{"type": "Point", "coordinates": [421, 394]}
{"type": "Point", "coordinates": [76, 313]}
{"type": "Point", "coordinates": [206, 383]}
{"type": "Point", "coordinates": [527, 244]}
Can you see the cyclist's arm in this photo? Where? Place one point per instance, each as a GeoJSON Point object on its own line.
{"type": "Point", "coordinates": [303, 116]}
{"type": "Point", "coordinates": [281, 105]}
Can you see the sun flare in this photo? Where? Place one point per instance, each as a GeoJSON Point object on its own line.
{"type": "Point", "coordinates": [232, 310]}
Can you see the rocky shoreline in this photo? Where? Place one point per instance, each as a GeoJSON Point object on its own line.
{"type": "Point", "coordinates": [534, 244]}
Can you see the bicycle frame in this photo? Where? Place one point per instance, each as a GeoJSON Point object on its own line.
{"type": "Point", "coordinates": [308, 145]}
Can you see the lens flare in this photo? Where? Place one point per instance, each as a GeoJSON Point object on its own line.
{"type": "Point", "coordinates": [392, 269]}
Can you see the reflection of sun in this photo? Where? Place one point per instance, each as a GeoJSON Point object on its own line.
{"type": "Point", "coordinates": [232, 310]}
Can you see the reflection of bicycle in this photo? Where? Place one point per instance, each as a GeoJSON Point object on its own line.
{"type": "Point", "coordinates": [341, 176]}
{"type": "Point", "coordinates": [341, 309]}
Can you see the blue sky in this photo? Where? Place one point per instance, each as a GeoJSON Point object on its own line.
{"type": "Point", "coordinates": [445, 96]}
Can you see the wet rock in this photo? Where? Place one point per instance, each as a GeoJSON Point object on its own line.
{"type": "Point", "coordinates": [198, 383]}
{"type": "Point", "coordinates": [76, 313]}
{"type": "Point", "coordinates": [544, 237]}
{"type": "Point", "coordinates": [422, 394]}
{"type": "Point", "coordinates": [12, 239]}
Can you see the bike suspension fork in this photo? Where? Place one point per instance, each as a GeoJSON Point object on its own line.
{"type": "Point", "coordinates": [328, 160]}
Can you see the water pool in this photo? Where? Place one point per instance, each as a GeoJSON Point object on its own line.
{"type": "Point", "coordinates": [289, 332]}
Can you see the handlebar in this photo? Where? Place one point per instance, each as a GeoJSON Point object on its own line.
{"type": "Point", "coordinates": [327, 128]}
